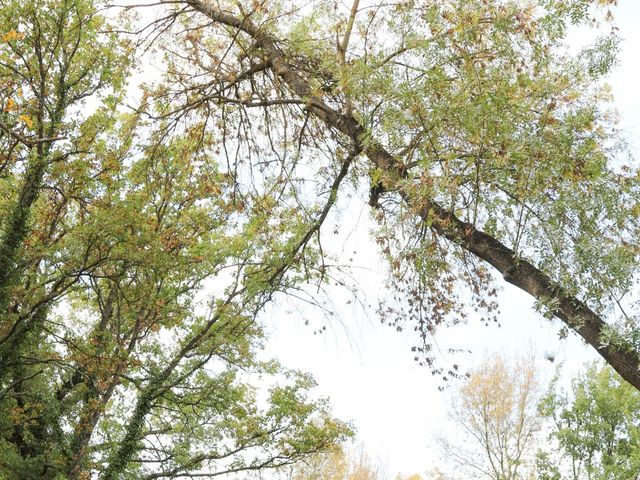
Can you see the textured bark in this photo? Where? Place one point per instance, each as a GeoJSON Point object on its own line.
{"type": "Point", "coordinates": [17, 228]}
{"type": "Point", "coordinates": [524, 275]}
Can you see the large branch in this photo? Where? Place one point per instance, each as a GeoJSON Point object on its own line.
{"type": "Point", "coordinates": [521, 273]}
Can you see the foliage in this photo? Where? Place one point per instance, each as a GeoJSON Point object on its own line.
{"type": "Point", "coordinates": [496, 412]}
{"type": "Point", "coordinates": [595, 428]}
{"type": "Point", "coordinates": [592, 430]}
{"type": "Point", "coordinates": [339, 463]}
{"type": "Point", "coordinates": [486, 145]}
{"type": "Point", "coordinates": [114, 361]}
{"type": "Point", "coordinates": [143, 228]}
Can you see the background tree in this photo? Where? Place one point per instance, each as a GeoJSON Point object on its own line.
{"type": "Point", "coordinates": [496, 415]}
{"type": "Point", "coordinates": [595, 427]}
{"type": "Point", "coordinates": [338, 463]}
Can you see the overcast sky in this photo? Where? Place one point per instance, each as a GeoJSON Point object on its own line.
{"type": "Point", "coordinates": [368, 370]}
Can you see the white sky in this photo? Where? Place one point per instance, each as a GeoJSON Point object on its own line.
{"type": "Point", "coordinates": [368, 369]}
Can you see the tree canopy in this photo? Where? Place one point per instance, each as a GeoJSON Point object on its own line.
{"type": "Point", "coordinates": [113, 358]}
{"type": "Point", "coordinates": [486, 144]}
{"type": "Point", "coordinates": [144, 227]}
{"type": "Point", "coordinates": [595, 429]}
{"type": "Point", "coordinates": [504, 428]}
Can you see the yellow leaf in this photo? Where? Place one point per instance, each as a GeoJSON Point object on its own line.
{"type": "Point", "coordinates": [10, 106]}
{"type": "Point", "coordinates": [27, 120]}
{"type": "Point", "coordinates": [10, 35]}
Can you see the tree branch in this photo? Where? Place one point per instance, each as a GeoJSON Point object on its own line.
{"type": "Point", "coordinates": [521, 273]}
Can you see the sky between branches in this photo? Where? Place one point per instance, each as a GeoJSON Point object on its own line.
{"type": "Point", "coordinates": [368, 369]}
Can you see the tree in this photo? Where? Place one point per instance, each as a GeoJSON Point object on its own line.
{"type": "Point", "coordinates": [496, 412]}
{"type": "Point", "coordinates": [338, 463]}
{"type": "Point", "coordinates": [113, 361]}
{"type": "Point", "coordinates": [595, 429]}
{"type": "Point", "coordinates": [484, 142]}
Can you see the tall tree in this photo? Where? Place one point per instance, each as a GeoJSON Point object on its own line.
{"type": "Point", "coordinates": [114, 361]}
{"type": "Point", "coordinates": [54, 56]}
{"type": "Point", "coordinates": [485, 142]}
